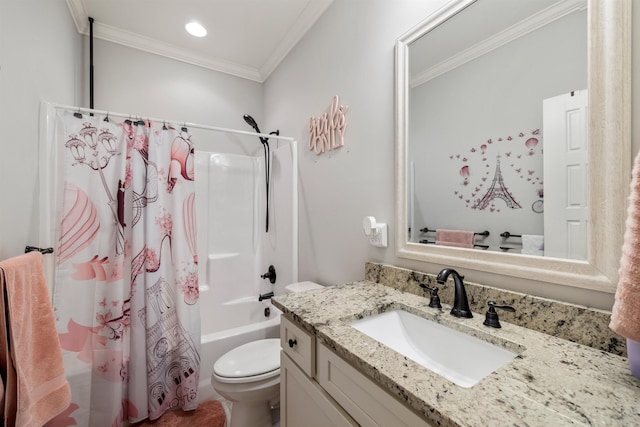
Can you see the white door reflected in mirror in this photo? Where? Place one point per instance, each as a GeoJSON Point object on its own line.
{"type": "Point", "coordinates": [565, 160]}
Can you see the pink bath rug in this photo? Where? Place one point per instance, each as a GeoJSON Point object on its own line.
{"type": "Point", "coordinates": [209, 414]}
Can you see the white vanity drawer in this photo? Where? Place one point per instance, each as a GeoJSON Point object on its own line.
{"type": "Point", "coordinates": [299, 345]}
{"type": "Point", "coordinates": [363, 399]}
{"type": "Point", "coordinates": [304, 403]}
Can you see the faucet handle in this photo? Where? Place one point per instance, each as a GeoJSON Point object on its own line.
{"type": "Point", "coordinates": [434, 302]}
{"type": "Point", "coordinates": [491, 318]}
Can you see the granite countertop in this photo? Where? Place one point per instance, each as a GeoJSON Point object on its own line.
{"type": "Point", "coordinates": [551, 382]}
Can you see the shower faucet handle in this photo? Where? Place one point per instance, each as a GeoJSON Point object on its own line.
{"type": "Point", "coordinates": [271, 274]}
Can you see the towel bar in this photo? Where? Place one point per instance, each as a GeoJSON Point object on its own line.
{"type": "Point", "coordinates": [428, 242]}
{"type": "Point", "coordinates": [28, 249]}
{"type": "Point", "coordinates": [506, 235]}
{"type": "Point", "coordinates": [485, 233]}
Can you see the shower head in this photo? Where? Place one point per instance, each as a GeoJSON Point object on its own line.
{"type": "Point", "coordinates": [265, 146]}
{"type": "Point", "coordinates": [251, 122]}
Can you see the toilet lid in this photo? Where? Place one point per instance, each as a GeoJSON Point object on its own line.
{"type": "Point", "coordinates": [251, 359]}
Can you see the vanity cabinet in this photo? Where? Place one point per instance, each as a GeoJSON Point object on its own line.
{"type": "Point", "coordinates": [302, 402]}
{"type": "Point", "coordinates": [317, 387]}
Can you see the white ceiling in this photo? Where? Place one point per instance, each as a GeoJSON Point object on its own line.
{"type": "Point", "coordinates": [246, 38]}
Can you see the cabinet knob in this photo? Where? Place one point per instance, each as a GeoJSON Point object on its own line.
{"type": "Point", "coordinates": [292, 342]}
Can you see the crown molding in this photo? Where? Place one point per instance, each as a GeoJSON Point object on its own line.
{"type": "Point", "coordinates": [526, 26]}
{"type": "Point", "coordinates": [146, 44]}
{"type": "Point", "coordinates": [307, 18]}
{"type": "Point", "coordinates": [310, 14]}
{"type": "Point", "coordinates": [79, 15]}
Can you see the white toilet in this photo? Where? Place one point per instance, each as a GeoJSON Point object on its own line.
{"type": "Point", "coordinates": [249, 376]}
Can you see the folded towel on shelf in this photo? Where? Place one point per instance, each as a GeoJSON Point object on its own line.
{"type": "Point", "coordinates": [625, 315]}
{"type": "Point", "coordinates": [455, 238]}
{"type": "Point", "coordinates": [532, 244]}
{"type": "Point", "coordinates": [37, 389]}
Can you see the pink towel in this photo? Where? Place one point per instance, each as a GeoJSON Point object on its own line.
{"type": "Point", "coordinates": [40, 391]}
{"type": "Point", "coordinates": [625, 317]}
{"type": "Point", "coordinates": [456, 238]}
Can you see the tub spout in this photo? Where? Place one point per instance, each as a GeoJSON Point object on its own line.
{"type": "Point", "coordinates": [268, 295]}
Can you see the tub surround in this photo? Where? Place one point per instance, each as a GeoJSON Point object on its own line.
{"type": "Point", "coordinates": [551, 382]}
{"type": "Point", "coordinates": [571, 322]}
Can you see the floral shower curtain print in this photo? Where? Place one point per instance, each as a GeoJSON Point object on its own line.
{"type": "Point", "coordinates": [126, 288]}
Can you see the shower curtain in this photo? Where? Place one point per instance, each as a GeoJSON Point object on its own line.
{"type": "Point", "coordinates": [126, 287]}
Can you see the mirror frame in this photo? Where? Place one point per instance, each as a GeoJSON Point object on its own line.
{"type": "Point", "coordinates": [609, 130]}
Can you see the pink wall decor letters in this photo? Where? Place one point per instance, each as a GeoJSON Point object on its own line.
{"type": "Point", "coordinates": [326, 132]}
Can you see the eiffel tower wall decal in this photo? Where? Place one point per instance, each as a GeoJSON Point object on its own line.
{"type": "Point", "coordinates": [517, 172]}
{"type": "Point", "coordinates": [497, 190]}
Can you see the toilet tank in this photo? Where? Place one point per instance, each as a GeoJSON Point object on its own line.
{"type": "Point", "coordinates": [302, 286]}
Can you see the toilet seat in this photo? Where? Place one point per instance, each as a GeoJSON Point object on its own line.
{"type": "Point", "coordinates": [253, 361]}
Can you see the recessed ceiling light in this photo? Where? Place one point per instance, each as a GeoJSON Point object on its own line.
{"type": "Point", "coordinates": [195, 29]}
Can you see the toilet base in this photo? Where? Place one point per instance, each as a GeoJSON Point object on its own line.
{"type": "Point", "coordinates": [251, 414]}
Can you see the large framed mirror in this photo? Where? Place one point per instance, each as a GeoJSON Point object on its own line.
{"type": "Point", "coordinates": [446, 141]}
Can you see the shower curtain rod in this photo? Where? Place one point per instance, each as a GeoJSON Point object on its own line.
{"type": "Point", "coordinates": [71, 108]}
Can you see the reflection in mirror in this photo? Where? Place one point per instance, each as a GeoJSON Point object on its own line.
{"type": "Point", "coordinates": [479, 135]}
{"type": "Point", "coordinates": [492, 126]}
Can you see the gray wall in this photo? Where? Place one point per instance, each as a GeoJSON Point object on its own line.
{"type": "Point", "coordinates": [132, 81]}
{"type": "Point", "coordinates": [496, 96]}
{"type": "Point", "coordinates": [350, 52]}
{"type": "Point", "coordinates": [39, 48]}
{"type": "Point", "coordinates": [43, 58]}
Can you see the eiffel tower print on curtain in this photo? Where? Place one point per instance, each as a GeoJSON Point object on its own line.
{"type": "Point", "coordinates": [497, 191]}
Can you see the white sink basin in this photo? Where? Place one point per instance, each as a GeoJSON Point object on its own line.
{"type": "Point", "coordinates": [458, 357]}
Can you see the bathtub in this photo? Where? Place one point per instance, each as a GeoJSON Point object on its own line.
{"type": "Point", "coordinates": [230, 325]}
